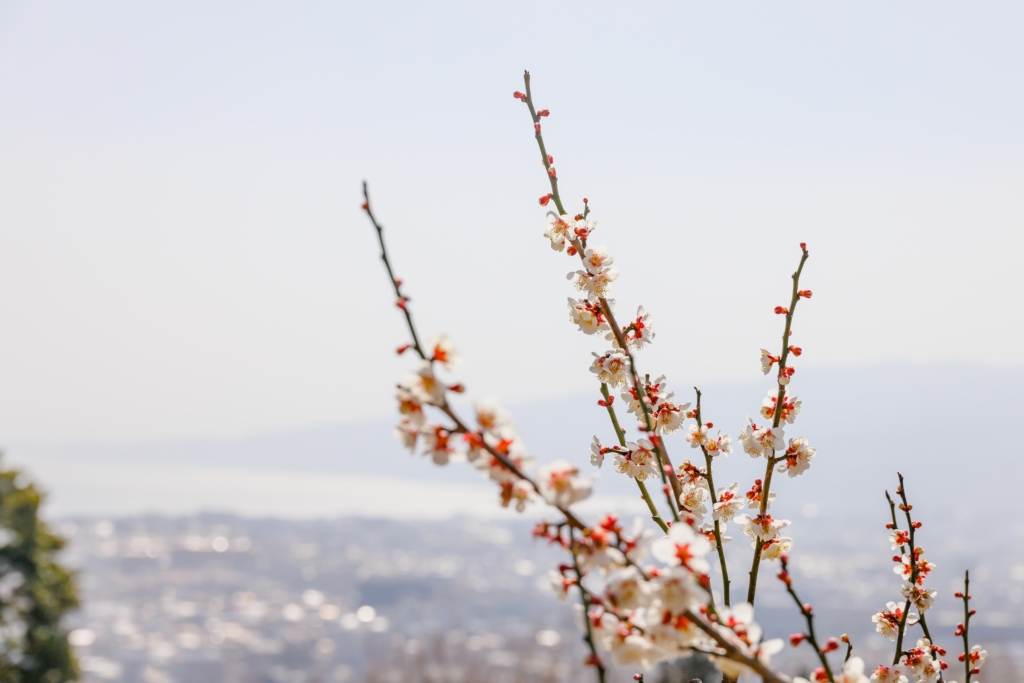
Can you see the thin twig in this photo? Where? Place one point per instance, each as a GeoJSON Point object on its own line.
{"type": "Point", "coordinates": [714, 500]}
{"type": "Point", "coordinates": [808, 614]}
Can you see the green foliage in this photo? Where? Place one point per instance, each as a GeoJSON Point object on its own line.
{"type": "Point", "coordinates": [35, 591]}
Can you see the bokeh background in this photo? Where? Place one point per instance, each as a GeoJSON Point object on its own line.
{"type": "Point", "coordinates": [195, 319]}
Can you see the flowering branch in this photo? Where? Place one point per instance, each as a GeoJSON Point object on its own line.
{"type": "Point", "coordinates": [578, 241]}
{"type": "Point", "coordinates": [402, 300]}
{"type": "Point", "coordinates": [460, 426]}
{"type": "Point", "coordinates": [785, 372]}
{"type": "Point", "coordinates": [593, 660]}
{"type": "Point", "coordinates": [972, 657]}
{"type": "Point", "coordinates": [607, 403]}
{"type": "Point", "coordinates": [808, 612]}
{"type": "Point", "coordinates": [714, 502]}
{"type": "Point", "coordinates": [911, 528]}
{"type": "Point", "coordinates": [738, 653]}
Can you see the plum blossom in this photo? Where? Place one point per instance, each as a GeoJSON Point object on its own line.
{"type": "Point", "coordinates": [597, 452]}
{"type": "Point", "coordinates": [597, 260]}
{"type": "Point", "coordinates": [561, 584]}
{"type": "Point", "coordinates": [921, 662]}
{"type": "Point", "coordinates": [627, 589]}
{"type": "Point", "coordinates": [638, 462]}
{"type": "Point", "coordinates": [730, 502]}
{"type": "Point", "coordinates": [558, 230]}
{"type": "Point", "coordinates": [596, 285]}
{"type": "Point", "coordinates": [761, 528]}
{"type": "Point", "coordinates": [437, 441]}
{"type": "Point", "coordinates": [409, 406]}
{"type": "Point", "coordinates": [683, 547]}
{"type": "Point", "coordinates": [637, 333]}
{"type": "Point", "coordinates": [668, 416]}
{"type": "Point", "coordinates": [408, 433]}
{"type": "Point", "coordinates": [582, 227]}
{"type": "Point", "coordinates": [797, 458]}
{"type": "Point", "coordinates": [885, 674]}
{"type": "Point", "coordinates": [852, 672]}
{"type": "Point", "coordinates": [905, 568]}
{"type": "Point", "coordinates": [677, 589]}
{"type": "Point", "coordinates": [692, 499]}
{"type": "Point", "coordinates": [697, 435]}
{"type": "Point", "coordinates": [922, 598]}
{"type": "Point", "coordinates": [887, 621]}
{"type": "Point", "coordinates": [767, 360]}
{"type": "Point", "coordinates": [762, 441]}
{"type": "Point", "coordinates": [790, 406]}
{"type": "Point", "coordinates": [612, 368]}
{"type": "Point", "coordinates": [520, 492]}
{"type": "Point", "coordinates": [491, 416]}
{"type": "Point", "coordinates": [720, 445]}
{"type": "Point", "coordinates": [773, 549]}
{"type": "Point", "coordinates": [509, 445]}
{"type": "Point", "coordinates": [560, 484]}
{"type": "Point", "coordinates": [425, 386]}
{"type": "Point", "coordinates": [669, 630]}
{"type": "Point", "coordinates": [977, 657]}
{"type": "Point", "coordinates": [587, 315]}
{"type": "Point", "coordinates": [443, 352]}
{"type": "Point", "coordinates": [755, 494]}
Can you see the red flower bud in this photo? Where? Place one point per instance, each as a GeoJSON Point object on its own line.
{"type": "Point", "coordinates": [805, 293]}
{"type": "Point", "coordinates": [571, 251]}
{"type": "Point", "coordinates": [551, 159]}
{"type": "Point", "coordinates": [401, 303]}
{"type": "Point", "coordinates": [536, 128]}
{"type": "Point", "coordinates": [795, 350]}
{"type": "Point", "coordinates": [552, 172]}
{"type": "Point", "coordinates": [543, 112]}
{"type": "Point", "coordinates": [781, 310]}
{"type": "Point", "coordinates": [797, 638]}
{"type": "Point", "coordinates": [519, 95]}
{"type": "Point", "coordinates": [403, 348]}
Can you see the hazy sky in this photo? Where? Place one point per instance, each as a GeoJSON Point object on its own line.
{"type": "Point", "coordinates": [182, 251]}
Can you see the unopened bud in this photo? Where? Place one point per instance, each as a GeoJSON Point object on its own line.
{"type": "Point", "coordinates": [551, 159]}
{"type": "Point", "coordinates": [572, 251]}
{"type": "Point", "coordinates": [709, 425]}
{"type": "Point", "coordinates": [797, 638]}
{"type": "Point", "coordinates": [795, 350]}
{"type": "Point", "coordinates": [401, 303]}
{"type": "Point", "coordinates": [536, 128]}
{"type": "Point", "coordinates": [403, 348]}
{"type": "Point", "coordinates": [519, 95]}
{"type": "Point", "coordinates": [803, 246]}
{"type": "Point", "coordinates": [366, 206]}
{"type": "Point", "coordinates": [544, 112]}
{"type": "Point", "coordinates": [805, 293]}
{"type": "Point", "coordinates": [781, 310]}
{"type": "Point", "coordinates": [544, 200]}
{"type": "Point", "coordinates": [457, 388]}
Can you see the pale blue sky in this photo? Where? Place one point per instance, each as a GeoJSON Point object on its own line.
{"type": "Point", "coordinates": [183, 253]}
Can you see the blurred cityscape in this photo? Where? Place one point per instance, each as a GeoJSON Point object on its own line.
{"type": "Point", "coordinates": [217, 598]}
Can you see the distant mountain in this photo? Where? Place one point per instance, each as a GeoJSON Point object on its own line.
{"type": "Point", "coordinates": [953, 430]}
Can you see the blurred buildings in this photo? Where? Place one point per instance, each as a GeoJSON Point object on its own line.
{"type": "Point", "coordinates": [207, 599]}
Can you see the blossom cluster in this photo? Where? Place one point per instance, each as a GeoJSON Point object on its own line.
{"type": "Point", "coordinates": [648, 595]}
